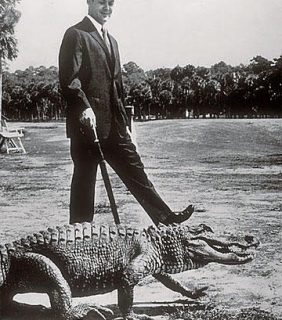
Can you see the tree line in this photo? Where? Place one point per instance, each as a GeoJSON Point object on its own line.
{"type": "Point", "coordinates": [222, 90]}
{"type": "Point", "coordinates": [9, 16]}
{"type": "Point", "coordinates": [254, 90]}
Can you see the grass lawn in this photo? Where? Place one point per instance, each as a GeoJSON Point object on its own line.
{"type": "Point", "coordinates": [229, 169]}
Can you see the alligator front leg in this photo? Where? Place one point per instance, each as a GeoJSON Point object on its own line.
{"type": "Point", "coordinates": [125, 302]}
{"type": "Point", "coordinates": [174, 285]}
{"type": "Point", "coordinates": [138, 269]}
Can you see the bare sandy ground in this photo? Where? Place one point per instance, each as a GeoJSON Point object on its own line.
{"type": "Point", "coordinates": [230, 170]}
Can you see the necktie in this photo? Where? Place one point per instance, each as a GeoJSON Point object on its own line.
{"type": "Point", "coordinates": [106, 38]}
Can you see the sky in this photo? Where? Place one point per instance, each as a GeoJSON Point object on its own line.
{"type": "Point", "coordinates": [158, 33]}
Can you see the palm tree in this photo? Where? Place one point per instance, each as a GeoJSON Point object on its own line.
{"type": "Point", "coordinates": [9, 16]}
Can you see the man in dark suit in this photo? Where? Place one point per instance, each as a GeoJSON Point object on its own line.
{"type": "Point", "coordinates": [91, 82]}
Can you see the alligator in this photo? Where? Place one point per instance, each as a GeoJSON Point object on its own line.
{"type": "Point", "coordinates": [84, 259]}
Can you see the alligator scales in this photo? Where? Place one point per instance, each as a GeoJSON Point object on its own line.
{"type": "Point", "coordinates": [83, 259]}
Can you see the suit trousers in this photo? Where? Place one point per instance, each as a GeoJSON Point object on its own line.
{"type": "Point", "coordinates": [120, 153]}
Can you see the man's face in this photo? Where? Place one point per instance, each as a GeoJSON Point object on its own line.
{"type": "Point", "coordinates": [100, 10]}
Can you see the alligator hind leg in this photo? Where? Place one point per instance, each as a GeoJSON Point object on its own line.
{"type": "Point", "coordinates": [6, 300]}
{"type": "Point", "coordinates": [32, 272]}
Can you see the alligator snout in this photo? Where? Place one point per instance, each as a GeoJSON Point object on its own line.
{"type": "Point", "coordinates": [204, 246]}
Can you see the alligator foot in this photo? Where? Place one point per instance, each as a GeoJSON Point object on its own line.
{"type": "Point", "coordinates": [134, 316]}
{"type": "Point", "coordinates": [196, 293]}
{"type": "Point", "coordinates": [176, 286]}
{"type": "Point", "coordinates": [15, 310]}
{"type": "Point", "coordinates": [80, 311]}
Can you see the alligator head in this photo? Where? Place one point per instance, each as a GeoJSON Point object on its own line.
{"type": "Point", "coordinates": [186, 248]}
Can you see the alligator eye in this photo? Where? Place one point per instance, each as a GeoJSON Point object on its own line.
{"type": "Point", "coordinates": [249, 239]}
{"type": "Point", "coordinates": [207, 228]}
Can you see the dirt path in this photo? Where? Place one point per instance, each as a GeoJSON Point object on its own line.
{"type": "Point", "coordinates": [230, 169]}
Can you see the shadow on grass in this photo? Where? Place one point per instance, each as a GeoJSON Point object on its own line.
{"type": "Point", "coordinates": [223, 314]}
{"type": "Point", "coordinates": [180, 310]}
{"type": "Point", "coordinates": [22, 311]}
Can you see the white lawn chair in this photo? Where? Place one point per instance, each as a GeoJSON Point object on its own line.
{"type": "Point", "coordinates": [11, 138]}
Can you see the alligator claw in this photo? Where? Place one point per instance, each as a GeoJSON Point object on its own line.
{"type": "Point", "coordinates": [197, 293]}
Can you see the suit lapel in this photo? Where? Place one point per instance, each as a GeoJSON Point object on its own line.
{"type": "Point", "coordinates": [95, 34]}
{"type": "Point", "coordinates": [89, 27]}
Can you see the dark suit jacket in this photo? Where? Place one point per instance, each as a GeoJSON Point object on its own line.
{"type": "Point", "coordinates": [91, 76]}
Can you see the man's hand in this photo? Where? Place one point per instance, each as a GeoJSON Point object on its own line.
{"type": "Point", "coordinates": [87, 119]}
{"type": "Point", "coordinates": [88, 124]}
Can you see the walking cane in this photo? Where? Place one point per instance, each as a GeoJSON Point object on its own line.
{"type": "Point", "coordinates": [107, 182]}
{"type": "Point", "coordinates": [93, 138]}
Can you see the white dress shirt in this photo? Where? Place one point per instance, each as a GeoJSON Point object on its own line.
{"type": "Point", "coordinates": [96, 24]}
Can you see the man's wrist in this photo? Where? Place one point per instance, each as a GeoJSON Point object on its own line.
{"type": "Point", "coordinates": [85, 109]}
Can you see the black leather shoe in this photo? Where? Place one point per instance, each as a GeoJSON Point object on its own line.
{"type": "Point", "coordinates": [179, 217]}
